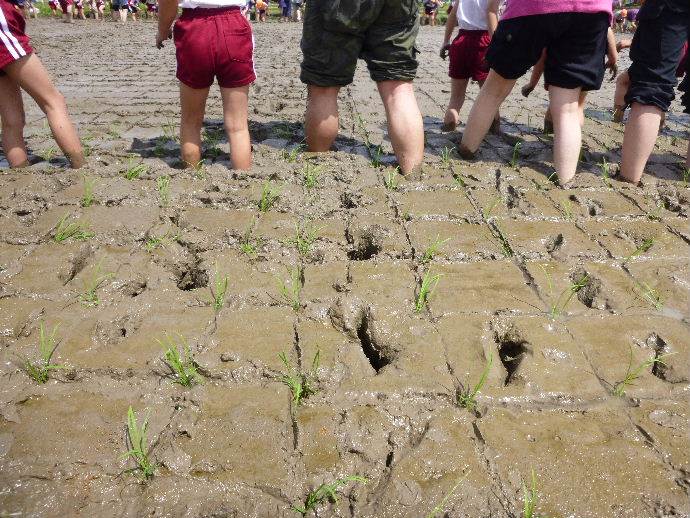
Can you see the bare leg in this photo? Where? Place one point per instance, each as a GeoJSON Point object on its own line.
{"type": "Point", "coordinates": [405, 126]}
{"type": "Point", "coordinates": [622, 85]}
{"type": "Point", "coordinates": [567, 131]}
{"type": "Point", "coordinates": [641, 132]}
{"type": "Point", "coordinates": [496, 88]}
{"type": "Point", "coordinates": [235, 102]}
{"type": "Point", "coordinates": [123, 14]}
{"type": "Point", "coordinates": [67, 18]}
{"type": "Point", "coordinates": [458, 87]}
{"type": "Point", "coordinates": [29, 73]}
{"type": "Point", "coordinates": [582, 99]}
{"type": "Point", "coordinates": [321, 118]}
{"type": "Point", "coordinates": [193, 107]}
{"type": "Point", "coordinates": [12, 117]}
{"type": "Point", "coordinates": [687, 157]}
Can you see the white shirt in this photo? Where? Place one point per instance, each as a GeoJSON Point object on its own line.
{"type": "Point", "coordinates": [210, 4]}
{"type": "Point", "coordinates": [472, 14]}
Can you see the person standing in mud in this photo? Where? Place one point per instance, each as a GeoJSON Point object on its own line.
{"type": "Point", "coordinates": [213, 40]}
{"type": "Point", "coordinates": [383, 33]}
{"type": "Point", "coordinates": [663, 28]}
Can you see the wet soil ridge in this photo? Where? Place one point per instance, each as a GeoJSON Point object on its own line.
{"type": "Point", "coordinates": [325, 255]}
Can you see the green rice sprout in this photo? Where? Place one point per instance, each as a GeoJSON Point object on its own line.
{"type": "Point", "coordinates": [649, 295]}
{"type": "Point", "coordinates": [291, 290]}
{"type": "Point", "coordinates": [460, 180]}
{"type": "Point", "coordinates": [87, 199]}
{"type": "Point", "coordinates": [529, 505]}
{"type": "Point", "coordinates": [467, 398]}
{"type": "Point", "coordinates": [135, 171]}
{"type": "Point", "coordinates": [558, 307]}
{"type": "Point", "coordinates": [47, 343]}
{"type": "Point", "coordinates": [426, 290]}
{"type": "Point", "coordinates": [137, 446]}
{"type": "Point", "coordinates": [71, 230]}
{"type": "Point", "coordinates": [49, 153]}
{"type": "Point", "coordinates": [292, 155]}
{"type": "Point", "coordinates": [686, 176]}
{"type": "Point", "coordinates": [376, 153]}
{"type": "Point", "coordinates": [445, 156]}
{"type": "Point", "coordinates": [218, 291]}
{"type": "Point", "coordinates": [154, 242]}
{"type": "Point", "coordinates": [486, 211]}
{"type": "Point", "coordinates": [170, 131]}
{"type": "Point", "coordinates": [310, 176]}
{"type": "Point", "coordinates": [113, 131]}
{"type": "Point", "coordinates": [633, 373]}
{"type": "Point", "coordinates": [183, 368]}
{"type": "Point", "coordinates": [392, 180]}
{"type": "Point", "coordinates": [644, 247]}
{"type": "Point", "coordinates": [163, 185]}
{"type": "Point", "coordinates": [248, 244]}
{"type": "Point", "coordinates": [567, 206]}
{"type": "Point", "coordinates": [516, 154]}
{"type": "Point", "coordinates": [432, 249]}
{"type": "Point", "coordinates": [301, 384]}
{"type": "Point", "coordinates": [325, 492]}
{"type": "Point", "coordinates": [439, 508]}
{"type": "Point", "coordinates": [606, 173]}
{"type": "Point", "coordinates": [198, 168]}
{"type": "Point", "coordinates": [89, 297]}
{"type": "Point", "coordinates": [269, 197]}
{"type": "Point", "coordinates": [305, 236]}
{"type": "Point", "coordinates": [552, 178]}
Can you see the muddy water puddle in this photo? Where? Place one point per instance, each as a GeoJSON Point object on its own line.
{"type": "Point", "coordinates": [386, 298]}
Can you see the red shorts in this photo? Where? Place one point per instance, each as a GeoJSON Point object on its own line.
{"type": "Point", "coordinates": [467, 55]}
{"type": "Point", "coordinates": [52, 4]}
{"type": "Point", "coordinates": [14, 43]}
{"type": "Point", "coordinates": [64, 4]}
{"type": "Point", "coordinates": [214, 43]}
{"type": "Point", "coordinates": [152, 8]}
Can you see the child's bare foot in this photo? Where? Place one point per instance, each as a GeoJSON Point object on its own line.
{"type": "Point", "coordinates": [495, 128]}
{"type": "Point", "coordinates": [448, 126]}
{"type": "Point", "coordinates": [618, 113]}
{"type": "Point", "coordinates": [465, 152]}
{"type": "Point", "coordinates": [77, 161]}
{"type": "Point", "coordinates": [526, 90]}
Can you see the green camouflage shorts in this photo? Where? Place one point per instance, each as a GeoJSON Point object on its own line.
{"type": "Point", "coordinates": [338, 32]}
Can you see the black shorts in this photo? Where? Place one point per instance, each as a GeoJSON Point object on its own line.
{"type": "Point", "coordinates": [575, 46]}
{"type": "Point", "coordinates": [663, 26]}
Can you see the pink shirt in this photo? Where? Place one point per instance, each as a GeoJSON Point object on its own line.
{"type": "Point", "coordinates": [516, 8]}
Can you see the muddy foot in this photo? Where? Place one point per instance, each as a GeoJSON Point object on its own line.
{"type": "Point", "coordinates": [465, 152]}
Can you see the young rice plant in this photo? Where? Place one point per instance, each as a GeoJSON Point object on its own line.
{"type": "Point", "coordinates": [183, 368]}
{"type": "Point", "coordinates": [137, 446]}
{"type": "Point", "coordinates": [426, 290]}
{"type": "Point", "coordinates": [89, 297]}
{"type": "Point", "coordinates": [633, 373]}
{"type": "Point", "coordinates": [47, 343]}
{"type": "Point", "coordinates": [301, 384]}
{"type": "Point", "coordinates": [325, 492]}
{"type": "Point", "coordinates": [71, 230]}
{"type": "Point", "coordinates": [468, 398]}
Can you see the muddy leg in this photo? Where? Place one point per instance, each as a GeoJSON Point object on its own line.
{"type": "Point", "coordinates": [193, 107]}
{"type": "Point", "coordinates": [321, 118]}
{"type": "Point", "coordinates": [641, 133]}
{"type": "Point", "coordinates": [12, 117]}
{"type": "Point", "coordinates": [567, 131]}
{"type": "Point", "coordinates": [405, 126]}
{"type": "Point", "coordinates": [622, 85]}
{"type": "Point", "coordinates": [235, 102]}
{"type": "Point", "coordinates": [458, 87]}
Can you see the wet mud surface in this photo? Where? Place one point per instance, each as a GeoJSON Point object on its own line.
{"type": "Point", "coordinates": [388, 378]}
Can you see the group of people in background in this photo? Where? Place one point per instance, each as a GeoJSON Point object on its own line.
{"type": "Point", "coordinates": [570, 42]}
{"type": "Point", "coordinates": [68, 10]}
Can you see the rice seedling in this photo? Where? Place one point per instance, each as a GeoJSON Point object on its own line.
{"type": "Point", "coordinates": [686, 176]}
{"type": "Point", "coordinates": [137, 446]}
{"type": "Point", "coordinates": [87, 199]}
{"type": "Point", "coordinates": [291, 290]}
{"type": "Point", "coordinates": [558, 307]}
{"type": "Point", "coordinates": [516, 154]}
{"type": "Point", "coordinates": [325, 492]}
{"type": "Point", "coordinates": [466, 397]}
{"type": "Point", "coordinates": [606, 173]}
{"type": "Point", "coordinates": [486, 211]}
{"type": "Point", "coordinates": [445, 156]}
{"type": "Point", "coordinates": [89, 297]}
{"type": "Point", "coordinates": [135, 171]}
{"type": "Point", "coordinates": [199, 169]}
{"type": "Point", "coordinates": [269, 197]}
{"type": "Point", "coordinates": [552, 178]}
{"type": "Point", "coordinates": [47, 343]}
{"type": "Point", "coordinates": [183, 368]}
{"type": "Point", "coordinates": [218, 291]}
{"type": "Point", "coordinates": [310, 175]}
{"type": "Point", "coordinates": [71, 230]}
{"type": "Point", "coordinates": [113, 131]}
{"type": "Point", "coordinates": [163, 185]}
{"type": "Point", "coordinates": [432, 249]}
{"type": "Point", "coordinates": [159, 148]}
{"type": "Point", "coordinates": [87, 145]}
{"type": "Point", "coordinates": [633, 373]}
{"type": "Point", "coordinates": [301, 384]}
{"type": "Point", "coordinates": [154, 242]}
{"type": "Point", "coordinates": [529, 504]}
{"type": "Point", "coordinates": [294, 152]}
{"type": "Point", "coordinates": [567, 207]}
{"type": "Point", "coordinates": [376, 153]}
{"type": "Point", "coordinates": [305, 236]}
{"type": "Point", "coordinates": [649, 295]}
{"type": "Point", "coordinates": [439, 508]}
{"type": "Point", "coordinates": [426, 290]}
{"type": "Point", "coordinates": [170, 131]}
{"type": "Point", "coordinates": [391, 180]}
{"type": "Point", "coordinates": [248, 244]}
{"type": "Point", "coordinates": [460, 180]}
{"type": "Point", "coordinates": [644, 247]}
{"type": "Point", "coordinates": [49, 153]}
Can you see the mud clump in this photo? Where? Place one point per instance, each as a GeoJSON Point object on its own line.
{"type": "Point", "coordinates": [671, 369]}
{"type": "Point", "coordinates": [592, 294]}
{"type": "Point", "coordinates": [191, 276]}
{"type": "Point", "coordinates": [76, 264]}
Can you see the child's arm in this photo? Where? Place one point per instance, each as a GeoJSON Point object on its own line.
{"type": "Point", "coordinates": [612, 53]}
{"type": "Point", "coordinates": [451, 23]}
{"type": "Point", "coordinates": [537, 71]}
{"type": "Point", "coordinates": [167, 12]}
{"type": "Point", "coordinates": [492, 16]}
{"type": "Point", "coordinates": [623, 44]}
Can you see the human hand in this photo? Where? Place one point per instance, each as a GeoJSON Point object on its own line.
{"type": "Point", "coordinates": [526, 90]}
{"type": "Point", "coordinates": [444, 51]}
{"type": "Point", "coordinates": [612, 65]}
{"type": "Point", "coordinates": [161, 37]}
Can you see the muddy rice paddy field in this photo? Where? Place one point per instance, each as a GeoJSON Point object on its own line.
{"type": "Point", "coordinates": [563, 294]}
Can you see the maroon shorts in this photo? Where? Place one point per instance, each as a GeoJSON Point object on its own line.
{"type": "Point", "coordinates": [64, 4]}
{"type": "Point", "coordinates": [214, 43]}
{"type": "Point", "coordinates": [14, 43]}
{"type": "Point", "coordinates": [468, 55]}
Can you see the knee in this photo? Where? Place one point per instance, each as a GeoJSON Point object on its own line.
{"type": "Point", "coordinates": [235, 126]}
{"type": "Point", "coordinates": [13, 123]}
{"type": "Point", "coordinates": [53, 102]}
